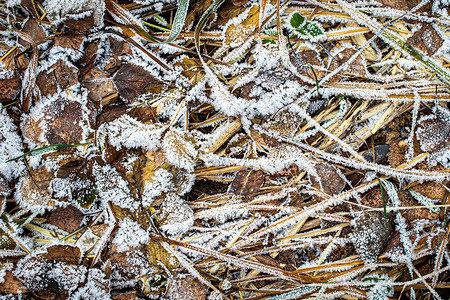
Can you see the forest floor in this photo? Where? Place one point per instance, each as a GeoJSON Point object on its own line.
{"type": "Point", "coordinates": [235, 149]}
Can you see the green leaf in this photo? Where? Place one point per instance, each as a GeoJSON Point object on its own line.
{"type": "Point", "coordinates": [313, 29]}
{"type": "Point", "coordinates": [297, 20]}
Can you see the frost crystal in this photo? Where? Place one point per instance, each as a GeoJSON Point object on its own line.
{"type": "Point", "coordinates": [10, 147]}
{"type": "Point", "coordinates": [112, 187]}
{"type": "Point", "coordinates": [176, 216]}
{"type": "Point", "coordinates": [130, 133]}
{"type": "Point", "coordinates": [130, 235]}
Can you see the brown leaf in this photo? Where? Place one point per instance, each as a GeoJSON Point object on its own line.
{"type": "Point", "coordinates": [374, 198]}
{"type": "Point", "coordinates": [433, 132]}
{"type": "Point", "coordinates": [356, 67]}
{"type": "Point", "coordinates": [186, 287]}
{"type": "Point", "coordinates": [72, 41]}
{"type": "Point", "coordinates": [116, 50]}
{"type": "Point", "coordinates": [328, 180]}
{"type": "Point", "coordinates": [396, 155]}
{"type": "Point", "coordinates": [34, 188]}
{"type": "Point", "coordinates": [33, 29]}
{"type": "Point", "coordinates": [247, 182]}
{"type": "Point", "coordinates": [77, 24]}
{"type": "Point", "coordinates": [65, 127]}
{"type": "Point", "coordinates": [404, 4]}
{"type": "Point", "coordinates": [426, 39]}
{"type": "Point", "coordinates": [370, 233]}
{"type": "Point", "coordinates": [12, 285]}
{"type": "Point", "coordinates": [378, 152]}
{"type": "Point", "coordinates": [9, 88]}
{"type": "Point", "coordinates": [132, 81]}
{"type": "Point", "coordinates": [99, 84]}
{"type": "Point", "coordinates": [60, 76]}
{"type": "Point", "coordinates": [63, 253]}
{"type": "Point", "coordinates": [129, 265]}
{"type": "Point", "coordinates": [66, 218]}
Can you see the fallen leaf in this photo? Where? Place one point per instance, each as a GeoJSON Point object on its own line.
{"type": "Point", "coordinates": [132, 81]}
{"type": "Point", "coordinates": [426, 39]}
{"type": "Point", "coordinates": [67, 218]}
{"type": "Point", "coordinates": [186, 287]}
{"type": "Point", "coordinates": [370, 233]}
{"type": "Point", "coordinates": [247, 182]}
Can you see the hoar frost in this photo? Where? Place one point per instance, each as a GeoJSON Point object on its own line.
{"type": "Point", "coordinates": [10, 147]}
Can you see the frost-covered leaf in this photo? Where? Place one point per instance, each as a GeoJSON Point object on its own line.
{"type": "Point", "coordinates": [246, 183]}
{"type": "Point", "coordinates": [129, 133]}
{"type": "Point", "coordinates": [327, 178]}
{"type": "Point", "coordinates": [239, 28]}
{"type": "Point", "coordinates": [175, 216]}
{"type": "Point", "coordinates": [130, 265]}
{"type": "Point", "coordinates": [183, 287]}
{"type": "Point", "coordinates": [58, 77]}
{"type": "Point", "coordinates": [54, 272]}
{"type": "Point", "coordinates": [60, 119]}
{"type": "Point", "coordinates": [112, 187]}
{"type": "Point", "coordinates": [10, 147]}
{"type": "Point", "coordinates": [132, 81]}
{"type": "Point", "coordinates": [180, 149]}
{"type": "Point", "coordinates": [130, 235]}
{"type": "Point", "coordinates": [97, 287]}
{"type": "Point", "coordinates": [32, 190]}
{"type": "Point", "coordinates": [370, 233]}
{"type": "Point", "coordinates": [426, 39]}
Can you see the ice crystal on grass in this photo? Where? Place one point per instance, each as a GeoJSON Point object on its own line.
{"type": "Point", "coordinates": [382, 288]}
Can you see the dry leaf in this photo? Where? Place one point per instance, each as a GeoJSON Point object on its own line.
{"type": "Point", "coordinates": [370, 233]}
{"type": "Point", "coordinates": [247, 182]}
{"type": "Point", "coordinates": [236, 34]}
{"type": "Point", "coordinates": [426, 39]}
{"type": "Point", "coordinates": [186, 287]}
{"type": "Point", "coordinates": [132, 81]}
{"type": "Point", "coordinates": [67, 218]}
